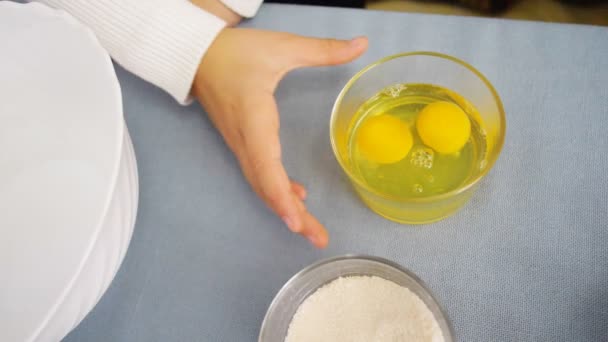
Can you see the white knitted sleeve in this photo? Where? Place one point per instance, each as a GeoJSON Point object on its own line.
{"type": "Point", "coordinates": [161, 41]}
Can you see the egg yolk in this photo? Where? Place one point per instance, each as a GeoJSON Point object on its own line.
{"type": "Point", "coordinates": [384, 139]}
{"type": "Point", "coordinates": [444, 127]}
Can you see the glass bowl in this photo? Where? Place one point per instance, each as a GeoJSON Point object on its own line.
{"type": "Point", "coordinates": [426, 68]}
{"type": "Point", "coordinates": [307, 281]}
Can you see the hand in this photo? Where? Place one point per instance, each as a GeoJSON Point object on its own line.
{"type": "Point", "coordinates": [220, 10]}
{"type": "Point", "coordinates": [235, 83]}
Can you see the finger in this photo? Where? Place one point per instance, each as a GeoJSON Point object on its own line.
{"type": "Point", "coordinates": [322, 52]}
{"type": "Point", "coordinates": [314, 231]}
{"type": "Point", "coordinates": [249, 175]}
{"type": "Point", "coordinates": [267, 175]}
{"type": "Point", "coordinates": [310, 226]}
{"type": "Point", "coordinates": [299, 190]}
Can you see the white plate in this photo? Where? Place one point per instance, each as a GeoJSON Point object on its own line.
{"type": "Point", "coordinates": [68, 177]}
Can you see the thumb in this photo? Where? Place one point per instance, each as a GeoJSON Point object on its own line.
{"type": "Point", "coordinates": [322, 52]}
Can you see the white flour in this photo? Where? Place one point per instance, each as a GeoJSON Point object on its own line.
{"type": "Point", "coordinates": [363, 309]}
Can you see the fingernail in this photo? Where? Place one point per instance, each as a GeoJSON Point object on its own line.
{"type": "Point", "coordinates": [356, 42]}
{"type": "Point", "coordinates": [291, 224]}
{"type": "Point", "coordinates": [313, 239]}
{"type": "Point", "coordinates": [317, 240]}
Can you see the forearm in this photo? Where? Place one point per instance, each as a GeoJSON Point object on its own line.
{"type": "Point", "coordinates": [220, 10]}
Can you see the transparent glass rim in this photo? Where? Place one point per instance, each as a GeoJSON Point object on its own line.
{"type": "Point", "coordinates": [470, 183]}
{"type": "Point", "coordinates": [321, 263]}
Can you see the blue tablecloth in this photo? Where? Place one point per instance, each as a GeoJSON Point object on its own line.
{"type": "Point", "coordinates": [526, 259]}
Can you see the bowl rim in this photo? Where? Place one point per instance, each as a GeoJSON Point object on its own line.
{"type": "Point", "coordinates": [466, 186]}
{"type": "Point", "coordinates": [275, 301]}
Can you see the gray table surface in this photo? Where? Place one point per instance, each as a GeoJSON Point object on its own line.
{"type": "Point", "coordinates": [525, 260]}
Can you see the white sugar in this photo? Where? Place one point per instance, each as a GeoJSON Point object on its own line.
{"type": "Point", "coordinates": [363, 309]}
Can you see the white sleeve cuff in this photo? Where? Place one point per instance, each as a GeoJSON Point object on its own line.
{"type": "Point", "coordinates": [245, 8]}
{"type": "Point", "coordinates": [161, 41]}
